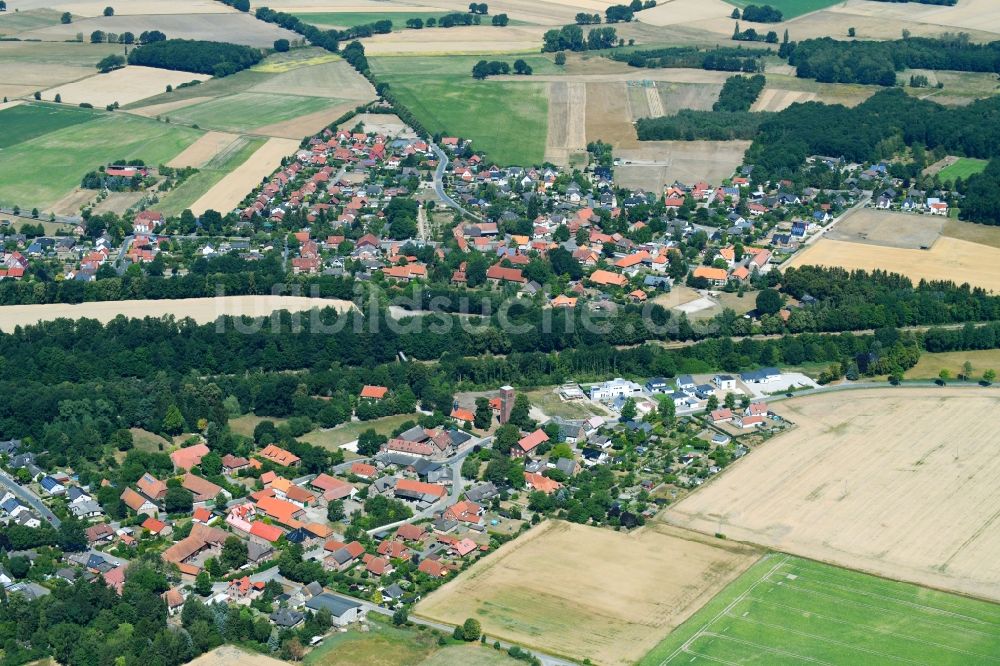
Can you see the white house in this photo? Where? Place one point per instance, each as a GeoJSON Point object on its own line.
{"type": "Point", "coordinates": [724, 382]}
{"type": "Point", "coordinates": [615, 388]}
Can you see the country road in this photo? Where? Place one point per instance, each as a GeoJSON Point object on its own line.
{"type": "Point", "coordinates": [439, 184]}
{"type": "Point", "coordinates": [28, 497]}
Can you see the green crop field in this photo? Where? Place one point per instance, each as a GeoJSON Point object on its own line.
{"type": "Point", "coordinates": [508, 120]}
{"type": "Point", "coordinates": [40, 170]}
{"type": "Point", "coordinates": [27, 121]}
{"type": "Point", "coordinates": [245, 111]}
{"type": "Point", "coordinates": [786, 610]}
{"type": "Point", "coordinates": [963, 168]}
{"type": "Point", "coordinates": [175, 201]}
{"type": "Point", "coordinates": [790, 8]}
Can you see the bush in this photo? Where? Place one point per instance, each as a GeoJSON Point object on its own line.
{"type": "Point", "coordinates": [281, 45]}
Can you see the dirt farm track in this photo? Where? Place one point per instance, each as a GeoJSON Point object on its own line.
{"type": "Point", "coordinates": [902, 482]}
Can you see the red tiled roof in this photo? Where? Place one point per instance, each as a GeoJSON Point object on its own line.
{"type": "Point", "coordinates": [153, 525]}
{"type": "Point", "coordinates": [267, 532]}
{"type": "Point", "coordinates": [529, 442]}
{"type": "Point", "coordinates": [189, 457]}
{"type": "Point", "coordinates": [542, 483]}
{"type": "Point", "coordinates": [279, 456]}
{"type": "Point", "coordinates": [410, 485]}
{"type": "Point", "coordinates": [363, 469]}
{"type": "Point", "coordinates": [375, 392]}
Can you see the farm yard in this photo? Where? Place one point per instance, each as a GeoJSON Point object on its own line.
{"type": "Point", "coordinates": [200, 310]}
{"type": "Point", "coordinates": [586, 592]}
{"type": "Point", "coordinates": [789, 610]}
{"type": "Point", "coordinates": [949, 259]}
{"type": "Point", "coordinates": [897, 482]}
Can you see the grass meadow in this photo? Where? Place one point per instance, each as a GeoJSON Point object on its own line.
{"type": "Point", "coordinates": [27, 121]}
{"type": "Point", "coordinates": [790, 8]}
{"type": "Point", "coordinates": [789, 610]}
{"type": "Point", "coordinates": [506, 119]}
{"type": "Point", "coordinates": [245, 111]}
{"type": "Point", "coordinates": [41, 169]}
{"type": "Point", "coordinates": [963, 168]}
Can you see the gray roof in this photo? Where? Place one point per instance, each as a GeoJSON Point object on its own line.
{"type": "Point", "coordinates": [338, 606]}
{"type": "Point", "coordinates": [286, 617]}
{"type": "Point", "coordinates": [566, 466]}
{"type": "Point", "coordinates": [414, 434]}
{"type": "Point", "coordinates": [394, 591]}
{"type": "Point", "coordinates": [483, 491]}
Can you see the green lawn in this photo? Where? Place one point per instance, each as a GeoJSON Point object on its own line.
{"type": "Point", "coordinates": [508, 120]}
{"type": "Point", "coordinates": [348, 432]}
{"type": "Point", "coordinates": [786, 610]}
{"type": "Point", "coordinates": [384, 645]}
{"type": "Point", "coordinates": [790, 8]}
{"type": "Point", "coordinates": [27, 121]}
{"type": "Point", "coordinates": [41, 170]}
{"type": "Point", "coordinates": [245, 111]}
{"type": "Point", "coordinates": [175, 201]}
{"type": "Point", "coordinates": [963, 168]}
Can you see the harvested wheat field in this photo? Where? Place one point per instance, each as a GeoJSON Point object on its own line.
{"type": "Point", "coordinates": [307, 124]}
{"type": "Point", "coordinates": [967, 15]}
{"type": "Point", "coordinates": [585, 592]}
{"type": "Point", "coordinates": [125, 85]}
{"type": "Point", "coordinates": [231, 190]}
{"type": "Point", "coordinates": [128, 7]}
{"type": "Point", "coordinates": [657, 163]}
{"type": "Point", "coordinates": [888, 228]}
{"type": "Point", "coordinates": [949, 259]}
{"type": "Point", "coordinates": [673, 12]}
{"type": "Point", "coordinates": [773, 99]}
{"type": "Point", "coordinates": [204, 149]}
{"type": "Point", "coordinates": [229, 655]}
{"type": "Point", "coordinates": [477, 39]}
{"type": "Point", "coordinates": [901, 482]}
{"type": "Point", "coordinates": [201, 310]}
{"type": "Point", "coordinates": [567, 125]}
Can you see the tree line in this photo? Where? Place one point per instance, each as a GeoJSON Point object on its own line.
{"type": "Point", "coordinates": [868, 62]}
{"type": "Point", "coordinates": [724, 59]}
{"type": "Point", "coordinates": [739, 93]}
{"type": "Point", "coordinates": [688, 125]}
{"type": "Point", "coordinates": [189, 55]}
{"type": "Point", "coordinates": [880, 127]}
{"type": "Point", "coordinates": [570, 38]}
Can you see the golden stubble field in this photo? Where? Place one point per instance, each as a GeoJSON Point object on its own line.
{"type": "Point", "coordinates": [590, 593]}
{"type": "Point", "coordinates": [903, 482]}
{"type": "Point", "coordinates": [949, 259]}
{"type": "Point", "coordinates": [234, 186]}
{"type": "Point", "coordinates": [201, 310]}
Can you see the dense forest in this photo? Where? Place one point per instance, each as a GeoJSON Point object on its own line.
{"type": "Point", "coordinates": [982, 196]}
{"type": "Point", "coordinates": [688, 125]}
{"type": "Point", "coordinates": [739, 93]}
{"type": "Point", "coordinates": [737, 59]}
{"type": "Point", "coordinates": [876, 129]}
{"type": "Point", "coordinates": [833, 61]}
{"type": "Point", "coordinates": [190, 55]}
